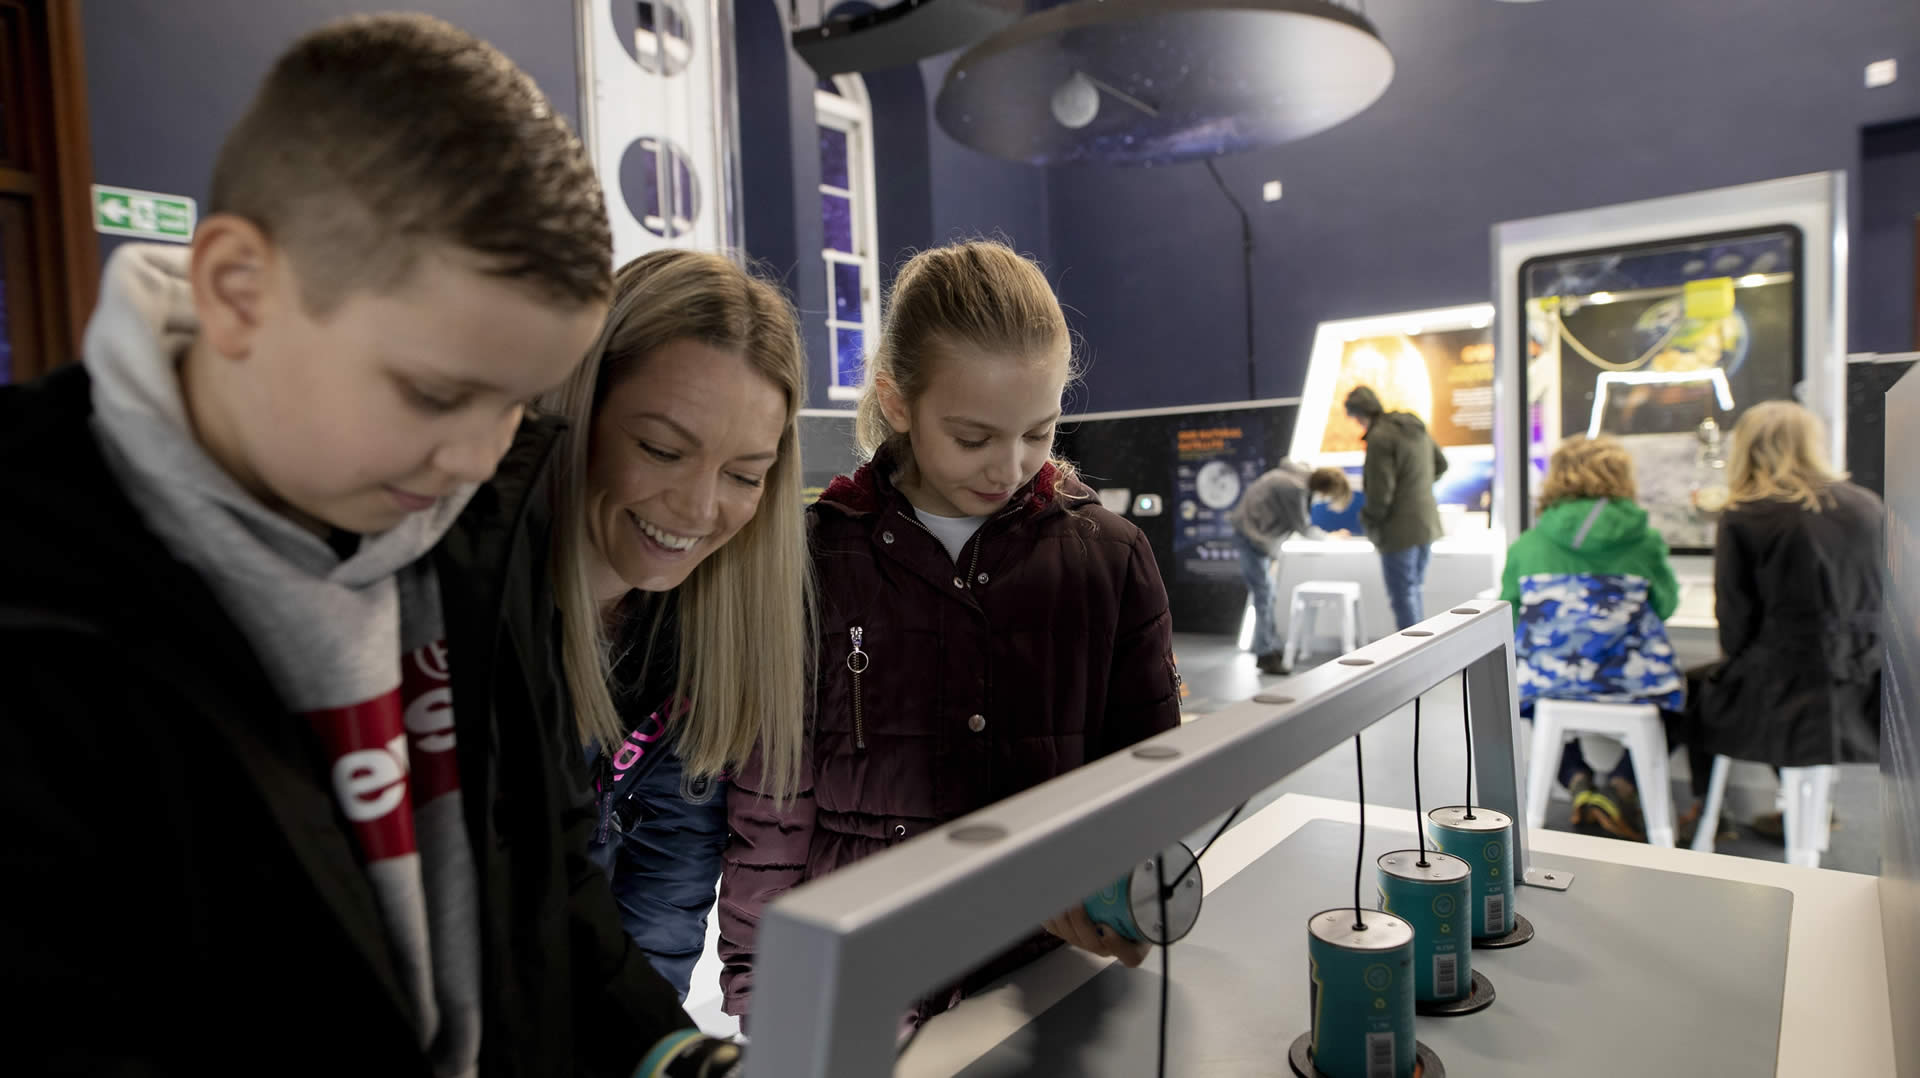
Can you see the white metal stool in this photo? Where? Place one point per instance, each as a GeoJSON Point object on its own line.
{"type": "Point", "coordinates": [1308, 598]}
{"type": "Point", "coordinates": [1806, 810]}
{"type": "Point", "coordinates": [1637, 725]}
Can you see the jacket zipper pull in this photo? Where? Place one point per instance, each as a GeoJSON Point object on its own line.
{"type": "Point", "coordinates": [857, 662]}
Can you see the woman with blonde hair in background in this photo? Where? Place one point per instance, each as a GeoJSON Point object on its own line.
{"type": "Point", "coordinates": [682, 578]}
{"type": "Point", "coordinates": [1797, 592]}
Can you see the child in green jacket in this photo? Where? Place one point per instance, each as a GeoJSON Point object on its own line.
{"type": "Point", "coordinates": [1591, 588]}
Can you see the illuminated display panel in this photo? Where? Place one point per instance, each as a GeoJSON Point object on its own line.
{"type": "Point", "coordinates": [1662, 345]}
{"type": "Point", "coordinates": [1437, 364]}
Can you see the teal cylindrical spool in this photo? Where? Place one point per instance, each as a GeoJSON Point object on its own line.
{"type": "Point", "coordinates": [1130, 905]}
{"type": "Point", "coordinates": [1113, 907]}
{"type": "Point", "coordinates": [1361, 988]}
{"type": "Point", "coordinates": [1435, 900]}
{"type": "Point", "coordinates": [1485, 843]}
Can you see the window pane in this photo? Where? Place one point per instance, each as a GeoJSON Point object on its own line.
{"type": "Point", "coordinates": [846, 292]}
{"type": "Point", "coordinates": [662, 36]}
{"type": "Point", "coordinates": [659, 185]}
{"type": "Point", "coordinates": [833, 158]}
{"type": "Point", "coordinates": [837, 213]}
{"type": "Point", "coordinates": [849, 357]}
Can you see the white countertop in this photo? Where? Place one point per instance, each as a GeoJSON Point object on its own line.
{"type": "Point", "coordinates": [1836, 1016]}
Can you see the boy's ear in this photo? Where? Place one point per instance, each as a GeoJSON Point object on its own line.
{"type": "Point", "coordinates": [228, 272]}
{"type": "Point", "coordinates": [893, 405]}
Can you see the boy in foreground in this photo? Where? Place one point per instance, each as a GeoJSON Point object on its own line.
{"type": "Point", "coordinates": [279, 768]}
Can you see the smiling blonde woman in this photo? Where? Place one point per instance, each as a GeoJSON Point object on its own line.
{"type": "Point", "coordinates": [682, 576]}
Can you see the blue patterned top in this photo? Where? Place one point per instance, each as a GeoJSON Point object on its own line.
{"type": "Point", "coordinates": [1593, 636]}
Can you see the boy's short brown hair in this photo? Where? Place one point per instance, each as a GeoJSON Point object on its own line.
{"type": "Point", "coordinates": [375, 135]}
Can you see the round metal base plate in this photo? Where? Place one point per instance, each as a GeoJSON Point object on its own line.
{"type": "Point", "coordinates": [1522, 932]}
{"type": "Point", "coordinates": [1479, 999]}
{"type": "Point", "coordinates": [1425, 1063]}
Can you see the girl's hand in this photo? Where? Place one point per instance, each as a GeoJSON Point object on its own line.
{"type": "Point", "coordinates": [1078, 929]}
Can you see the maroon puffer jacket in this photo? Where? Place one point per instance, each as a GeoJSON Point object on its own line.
{"type": "Point", "coordinates": [1048, 646]}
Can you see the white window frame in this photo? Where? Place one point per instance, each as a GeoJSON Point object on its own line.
{"type": "Point", "coordinates": [851, 112]}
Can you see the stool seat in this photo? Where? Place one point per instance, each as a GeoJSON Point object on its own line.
{"type": "Point", "coordinates": [1336, 589]}
{"type": "Point", "coordinates": [1638, 725]}
{"type": "Point", "coordinates": [1308, 597]}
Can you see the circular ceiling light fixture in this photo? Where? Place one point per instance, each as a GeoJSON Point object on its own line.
{"type": "Point", "coordinates": [1202, 78]}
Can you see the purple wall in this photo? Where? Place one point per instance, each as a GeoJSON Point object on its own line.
{"type": "Point", "coordinates": [1883, 244]}
{"type": "Point", "coordinates": [167, 78]}
{"type": "Point", "coordinates": [1497, 111]}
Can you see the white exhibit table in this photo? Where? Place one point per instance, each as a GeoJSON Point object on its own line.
{"type": "Point", "coordinates": [1463, 566]}
{"type": "Point", "coordinates": [1835, 1015]}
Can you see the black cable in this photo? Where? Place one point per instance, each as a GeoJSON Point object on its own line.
{"type": "Point", "coordinates": [1246, 265]}
{"type": "Point", "coordinates": [1419, 814]}
{"type": "Point", "coordinates": [1166, 952]}
{"type": "Point", "coordinates": [1360, 854]}
{"type": "Point", "coordinates": [1466, 717]}
{"type": "Point", "coordinates": [1224, 824]}
{"type": "Point", "coordinates": [1166, 923]}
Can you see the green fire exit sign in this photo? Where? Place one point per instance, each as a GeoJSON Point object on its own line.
{"type": "Point", "coordinates": [123, 211]}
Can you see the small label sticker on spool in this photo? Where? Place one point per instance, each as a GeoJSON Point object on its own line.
{"type": "Point", "coordinates": [1497, 915]}
{"type": "Point", "coordinates": [1380, 1055]}
{"type": "Point", "coordinates": [1446, 975]}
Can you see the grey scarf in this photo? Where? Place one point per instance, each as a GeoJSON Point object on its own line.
{"type": "Point", "coordinates": [355, 645]}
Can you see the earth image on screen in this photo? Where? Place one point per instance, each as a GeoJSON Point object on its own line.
{"type": "Point", "coordinates": [1679, 343]}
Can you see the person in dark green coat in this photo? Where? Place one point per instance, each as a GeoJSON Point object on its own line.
{"type": "Point", "coordinates": [1400, 516]}
{"type": "Point", "coordinates": [1591, 588]}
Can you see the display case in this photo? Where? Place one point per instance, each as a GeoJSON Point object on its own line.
{"type": "Point", "coordinates": [1437, 364]}
{"type": "Point", "coordinates": [1660, 322]}
{"type": "Point", "coordinates": [1663, 346]}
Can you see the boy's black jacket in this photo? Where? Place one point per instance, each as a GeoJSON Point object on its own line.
{"type": "Point", "coordinates": [180, 892]}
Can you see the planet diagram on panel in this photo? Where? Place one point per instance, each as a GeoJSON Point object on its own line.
{"type": "Point", "coordinates": [1217, 485]}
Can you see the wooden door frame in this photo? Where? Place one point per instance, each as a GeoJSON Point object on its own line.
{"type": "Point", "coordinates": [72, 145]}
{"type": "Point", "coordinates": [57, 181]}
{"type": "Point", "coordinates": [24, 337]}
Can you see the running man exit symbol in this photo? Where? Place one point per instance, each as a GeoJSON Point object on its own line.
{"type": "Point", "coordinates": [147, 215]}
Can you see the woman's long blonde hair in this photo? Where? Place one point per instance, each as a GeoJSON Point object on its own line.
{"type": "Point", "coordinates": [1779, 454]}
{"type": "Point", "coordinates": [745, 613]}
{"type": "Point", "coordinates": [981, 295]}
{"type": "Point", "coordinates": [1588, 468]}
